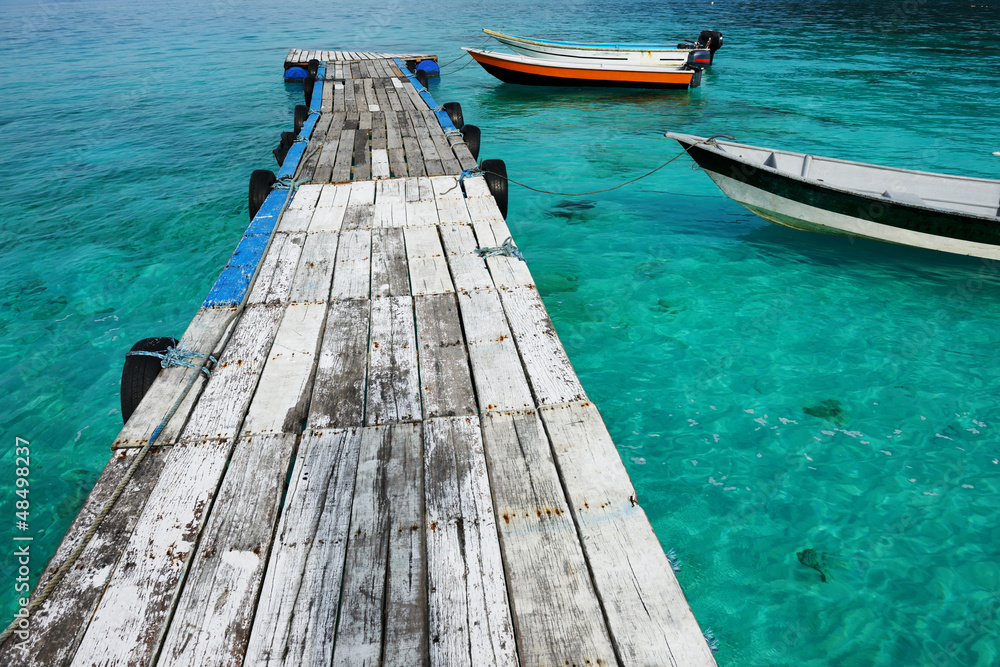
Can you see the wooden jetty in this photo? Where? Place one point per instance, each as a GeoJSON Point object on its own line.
{"type": "Point", "coordinates": [393, 461]}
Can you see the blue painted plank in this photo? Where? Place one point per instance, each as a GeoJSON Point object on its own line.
{"type": "Point", "coordinates": [443, 118]}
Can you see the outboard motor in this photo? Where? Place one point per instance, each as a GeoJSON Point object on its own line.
{"type": "Point", "coordinates": [711, 40]}
{"type": "Point", "coordinates": [699, 59]}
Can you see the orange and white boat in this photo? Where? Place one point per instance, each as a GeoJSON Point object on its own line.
{"type": "Point", "coordinates": [530, 71]}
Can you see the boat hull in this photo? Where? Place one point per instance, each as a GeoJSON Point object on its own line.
{"type": "Point", "coordinates": [810, 206]}
{"type": "Point", "coordinates": [533, 72]}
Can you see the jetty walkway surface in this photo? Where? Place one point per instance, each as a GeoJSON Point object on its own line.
{"type": "Point", "coordinates": [392, 462]}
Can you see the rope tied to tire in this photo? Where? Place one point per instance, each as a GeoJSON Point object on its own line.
{"type": "Point", "coordinates": [507, 249]}
{"type": "Point", "coordinates": [176, 356]}
{"type": "Point", "coordinates": [286, 183]}
{"type": "Point", "coordinates": [466, 173]}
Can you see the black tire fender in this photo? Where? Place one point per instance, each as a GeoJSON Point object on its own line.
{"type": "Point", "coordinates": [421, 77]}
{"type": "Point", "coordinates": [307, 87]}
{"type": "Point", "coordinates": [472, 135]}
{"type": "Point", "coordinates": [261, 181]}
{"type": "Point", "coordinates": [138, 372]}
{"type": "Point", "coordinates": [495, 174]}
{"type": "Point", "coordinates": [454, 111]}
{"type": "Point", "coordinates": [301, 116]}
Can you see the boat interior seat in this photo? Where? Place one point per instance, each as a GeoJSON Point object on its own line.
{"type": "Point", "coordinates": [904, 197]}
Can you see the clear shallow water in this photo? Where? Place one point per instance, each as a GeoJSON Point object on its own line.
{"type": "Point", "coordinates": [769, 390]}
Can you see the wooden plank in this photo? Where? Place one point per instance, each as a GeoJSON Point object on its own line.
{"type": "Point", "coordinates": [406, 583]}
{"type": "Point", "coordinates": [314, 274]}
{"type": "Point", "coordinates": [496, 367]}
{"type": "Point", "coordinates": [421, 209]}
{"type": "Point", "coordinates": [342, 163]}
{"type": "Point", "coordinates": [445, 379]}
{"type": "Point", "coordinates": [280, 402]}
{"type": "Point", "coordinates": [213, 617]}
{"type": "Point", "coordinates": [317, 140]}
{"type": "Point", "coordinates": [650, 620]}
{"type": "Point", "coordinates": [393, 380]}
{"type": "Point", "coordinates": [338, 91]}
{"type": "Point", "coordinates": [297, 611]}
{"type": "Point", "coordinates": [450, 201]}
{"type": "Point", "coordinates": [380, 164]}
{"type": "Point", "coordinates": [330, 209]}
{"type": "Point", "coordinates": [326, 105]}
{"type": "Point", "coordinates": [129, 624]}
{"type": "Point", "coordinates": [549, 371]}
{"type": "Point", "coordinates": [223, 404]}
{"type": "Point", "coordinates": [390, 204]}
{"type": "Point", "coordinates": [469, 617]}
{"type": "Point", "coordinates": [323, 172]}
{"type": "Point", "coordinates": [365, 605]}
{"type": "Point", "coordinates": [299, 212]}
{"type": "Point", "coordinates": [448, 160]}
{"type": "Point", "coordinates": [425, 257]}
{"type": "Point", "coordinates": [205, 333]}
{"type": "Point", "coordinates": [274, 279]}
{"type": "Point", "coordinates": [352, 276]}
{"type": "Point", "coordinates": [557, 616]}
{"type": "Point", "coordinates": [362, 156]}
{"type": "Point", "coordinates": [389, 277]}
{"type": "Point", "coordinates": [414, 158]}
{"type": "Point", "coordinates": [58, 625]}
{"type": "Point", "coordinates": [339, 388]}
{"type": "Point", "coordinates": [468, 270]}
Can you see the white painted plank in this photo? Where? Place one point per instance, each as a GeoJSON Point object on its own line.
{"type": "Point", "coordinates": [468, 270]}
{"type": "Point", "coordinates": [280, 402]}
{"type": "Point", "coordinates": [330, 209]}
{"type": "Point", "coordinates": [393, 380]}
{"type": "Point", "coordinates": [212, 622]}
{"type": "Point", "coordinates": [450, 200]}
{"type": "Point", "coordinates": [496, 367]}
{"type": "Point", "coordinates": [389, 276]}
{"type": "Point", "coordinates": [425, 258]}
{"type": "Point", "coordinates": [556, 611]}
{"type": "Point", "coordinates": [650, 620]}
{"type": "Point", "coordinates": [475, 186]}
{"type": "Point", "coordinates": [274, 279]}
{"type": "Point", "coordinates": [297, 611]}
{"type": "Point", "coordinates": [223, 404]}
{"type": "Point", "coordinates": [469, 618]}
{"type": "Point", "coordinates": [549, 371]}
{"type": "Point", "coordinates": [314, 273]}
{"type": "Point", "coordinates": [352, 275]}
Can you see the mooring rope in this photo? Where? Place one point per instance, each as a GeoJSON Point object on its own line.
{"type": "Point", "coordinates": [507, 249]}
{"type": "Point", "coordinates": [175, 356]}
{"type": "Point", "coordinates": [477, 170]}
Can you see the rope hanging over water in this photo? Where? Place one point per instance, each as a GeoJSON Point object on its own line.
{"type": "Point", "coordinates": [176, 356]}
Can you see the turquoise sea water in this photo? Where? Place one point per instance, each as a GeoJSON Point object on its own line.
{"type": "Point", "coordinates": [769, 390]}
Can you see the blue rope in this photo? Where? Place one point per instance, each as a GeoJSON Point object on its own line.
{"type": "Point", "coordinates": [468, 172]}
{"type": "Point", "coordinates": [286, 182]}
{"type": "Point", "coordinates": [508, 249]}
{"type": "Point", "coordinates": [175, 356]}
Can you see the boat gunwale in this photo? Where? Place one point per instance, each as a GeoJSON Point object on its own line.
{"type": "Point", "coordinates": [618, 48]}
{"type": "Point", "coordinates": [812, 182]}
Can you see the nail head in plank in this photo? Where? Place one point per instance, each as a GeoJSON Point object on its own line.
{"type": "Point", "coordinates": [648, 615]}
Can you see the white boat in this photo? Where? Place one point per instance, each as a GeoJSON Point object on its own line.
{"type": "Point", "coordinates": [623, 54]}
{"type": "Point", "coordinates": [957, 214]}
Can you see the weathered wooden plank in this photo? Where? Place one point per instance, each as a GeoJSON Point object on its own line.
{"type": "Point", "coordinates": [549, 371]}
{"type": "Point", "coordinates": [650, 620]}
{"type": "Point", "coordinates": [299, 212]}
{"type": "Point", "coordinates": [390, 204]}
{"type": "Point", "coordinates": [441, 143]}
{"type": "Point", "coordinates": [496, 367]}
{"type": "Point", "coordinates": [380, 164]}
{"type": "Point", "coordinates": [274, 279]}
{"type": "Point", "coordinates": [129, 624]}
{"type": "Point", "coordinates": [323, 171]}
{"type": "Point", "coordinates": [469, 617]}
{"type": "Point", "coordinates": [352, 276]}
{"type": "Point", "coordinates": [205, 333]}
{"type": "Point", "coordinates": [58, 625]}
{"type": "Point", "coordinates": [212, 623]}
{"type": "Point", "coordinates": [421, 209]}
{"type": "Point", "coordinates": [297, 611]}
{"type": "Point", "coordinates": [557, 616]}
{"type": "Point", "coordinates": [314, 274]}
{"type": "Point", "coordinates": [425, 257]}
{"type": "Point", "coordinates": [280, 402]}
{"type": "Point", "coordinates": [445, 379]}
{"type": "Point", "coordinates": [468, 270]}
{"type": "Point", "coordinates": [475, 186]}
{"type": "Point", "coordinates": [345, 151]}
{"type": "Point", "coordinates": [362, 155]}
{"type": "Point", "coordinates": [338, 90]}
{"type": "Point", "coordinates": [450, 201]}
{"type": "Point", "coordinates": [414, 159]}
{"type": "Point", "coordinates": [339, 388]}
{"type": "Point", "coordinates": [406, 583]}
{"type": "Point", "coordinates": [317, 140]}
{"type": "Point", "coordinates": [223, 404]}
{"type": "Point", "coordinates": [389, 277]}
{"type": "Point", "coordinates": [393, 380]}
{"type": "Point", "coordinates": [330, 208]}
